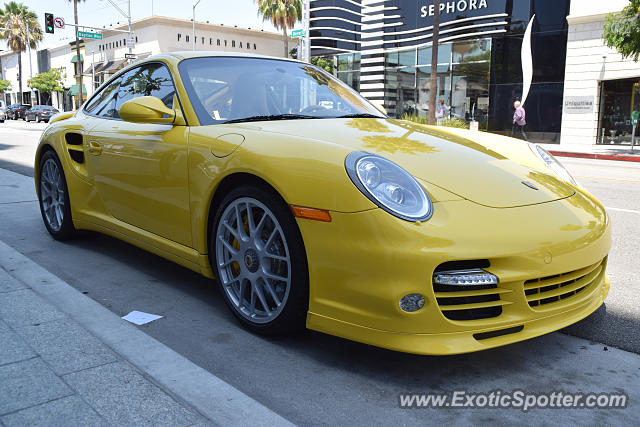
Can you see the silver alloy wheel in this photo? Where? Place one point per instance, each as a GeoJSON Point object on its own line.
{"type": "Point", "coordinates": [253, 260]}
{"type": "Point", "coordinates": [52, 194]}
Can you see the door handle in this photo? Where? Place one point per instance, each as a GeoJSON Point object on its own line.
{"type": "Point", "coordinates": [95, 148]}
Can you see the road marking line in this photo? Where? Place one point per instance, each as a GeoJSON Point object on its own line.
{"type": "Point", "coordinates": [622, 210]}
{"type": "Point", "coordinates": [608, 179]}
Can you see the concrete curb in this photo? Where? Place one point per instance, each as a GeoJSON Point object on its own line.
{"type": "Point", "coordinates": [619, 157]}
{"type": "Point", "coordinates": [213, 398]}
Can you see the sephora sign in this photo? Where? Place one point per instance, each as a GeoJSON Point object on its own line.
{"type": "Point", "coordinates": [453, 6]}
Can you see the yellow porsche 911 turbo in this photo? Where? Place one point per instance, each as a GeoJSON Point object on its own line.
{"type": "Point", "coordinates": [314, 209]}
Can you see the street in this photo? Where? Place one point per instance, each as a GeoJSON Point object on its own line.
{"type": "Point", "coordinates": [316, 379]}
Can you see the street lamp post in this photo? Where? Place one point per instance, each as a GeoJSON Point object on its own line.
{"type": "Point", "coordinates": [128, 16]}
{"type": "Point", "coordinates": [194, 24]}
{"type": "Point", "coordinates": [93, 71]}
{"type": "Point", "coordinates": [306, 41]}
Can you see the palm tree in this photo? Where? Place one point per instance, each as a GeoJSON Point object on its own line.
{"type": "Point", "coordinates": [283, 14]}
{"type": "Point", "coordinates": [80, 66]}
{"type": "Point", "coordinates": [433, 85]}
{"type": "Point", "coordinates": [14, 18]}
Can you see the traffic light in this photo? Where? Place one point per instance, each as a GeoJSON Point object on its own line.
{"type": "Point", "coordinates": [48, 23]}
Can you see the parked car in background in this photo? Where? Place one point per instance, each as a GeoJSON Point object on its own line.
{"type": "Point", "coordinates": [16, 111]}
{"type": "Point", "coordinates": [40, 113]}
{"type": "Point", "coordinates": [3, 114]}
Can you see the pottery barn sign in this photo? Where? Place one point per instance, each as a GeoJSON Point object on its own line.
{"type": "Point", "coordinates": [578, 104]}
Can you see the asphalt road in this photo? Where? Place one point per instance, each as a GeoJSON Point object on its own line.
{"type": "Point", "coordinates": [315, 379]}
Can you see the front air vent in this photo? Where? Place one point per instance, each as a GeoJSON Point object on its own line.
{"type": "Point", "coordinates": [500, 332]}
{"type": "Point", "coordinates": [77, 156]}
{"type": "Point", "coordinates": [468, 301]}
{"type": "Point", "coordinates": [551, 289]}
{"type": "Point", "coordinates": [73, 138]}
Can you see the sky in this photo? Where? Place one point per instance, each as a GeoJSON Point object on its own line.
{"type": "Point", "coordinates": [97, 13]}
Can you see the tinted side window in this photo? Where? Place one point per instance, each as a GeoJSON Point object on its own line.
{"type": "Point", "coordinates": [148, 80]}
{"type": "Point", "coordinates": [103, 104]}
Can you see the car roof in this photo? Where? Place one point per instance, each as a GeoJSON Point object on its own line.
{"type": "Point", "coordinates": [187, 54]}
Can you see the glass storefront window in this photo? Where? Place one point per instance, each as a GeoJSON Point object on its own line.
{"type": "Point", "coordinates": [477, 50]}
{"type": "Point", "coordinates": [348, 69]}
{"type": "Point", "coordinates": [619, 99]}
{"type": "Point", "coordinates": [463, 80]}
{"type": "Point", "coordinates": [424, 87]}
{"type": "Point", "coordinates": [444, 55]}
{"type": "Point", "coordinates": [407, 58]}
{"type": "Point", "coordinates": [470, 98]}
{"type": "Point", "coordinates": [406, 91]}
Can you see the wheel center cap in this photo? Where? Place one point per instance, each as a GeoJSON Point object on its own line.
{"type": "Point", "coordinates": [251, 260]}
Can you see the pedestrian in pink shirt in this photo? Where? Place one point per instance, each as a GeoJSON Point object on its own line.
{"type": "Point", "coordinates": [519, 120]}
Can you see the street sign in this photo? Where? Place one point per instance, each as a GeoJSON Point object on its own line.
{"type": "Point", "coordinates": [130, 56]}
{"type": "Point", "coordinates": [88, 35]}
{"type": "Point", "coordinates": [297, 33]}
{"type": "Point", "coordinates": [131, 43]}
{"type": "Point", "coordinates": [58, 22]}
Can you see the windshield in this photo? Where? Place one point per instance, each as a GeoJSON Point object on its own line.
{"type": "Point", "coordinates": [235, 89]}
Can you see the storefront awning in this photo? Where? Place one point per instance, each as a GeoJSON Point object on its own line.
{"type": "Point", "coordinates": [93, 68]}
{"type": "Point", "coordinates": [142, 56]}
{"type": "Point", "coordinates": [112, 66]}
{"type": "Point", "coordinates": [74, 90]}
{"type": "Point", "coordinates": [75, 58]}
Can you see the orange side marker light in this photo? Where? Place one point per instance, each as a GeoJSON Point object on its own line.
{"type": "Point", "coordinates": [311, 213]}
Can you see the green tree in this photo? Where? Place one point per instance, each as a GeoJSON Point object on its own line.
{"type": "Point", "coordinates": [4, 86]}
{"type": "Point", "coordinates": [622, 30]}
{"type": "Point", "coordinates": [325, 64]}
{"type": "Point", "coordinates": [283, 14]}
{"type": "Point", "coordinates": [14, 18]}
{"type": "Point", "coordinates": [80, 63]}
{"type": "Point", "coordinates": [51, 81]}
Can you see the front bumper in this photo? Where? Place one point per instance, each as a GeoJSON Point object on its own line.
{"type": "Point", "coordinates": [361, 264]}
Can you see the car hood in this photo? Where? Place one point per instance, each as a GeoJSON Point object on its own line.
{"type": "Point", "coordinates": [487, 169]}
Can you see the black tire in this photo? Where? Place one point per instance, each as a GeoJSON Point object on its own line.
{"type": "Point", "coordinates": [292, 316]}
{"type": "Point", "coordinates": [66, 229]}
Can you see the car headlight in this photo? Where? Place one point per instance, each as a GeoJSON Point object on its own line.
{"type": "Point", "coordinates": [389, 186]}
{"type": "Point", "coordinates": [553, 163]}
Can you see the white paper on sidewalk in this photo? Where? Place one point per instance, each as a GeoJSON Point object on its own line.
{"type": "Point", "coordinates": [140, 318]}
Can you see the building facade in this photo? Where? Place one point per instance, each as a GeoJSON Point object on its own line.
{"type": "Point", "coordinates": [491, 53]}
{"type": "Point", "coordinates": [601, 88]}
{"type": "Point", "coordinates": [99, 59]}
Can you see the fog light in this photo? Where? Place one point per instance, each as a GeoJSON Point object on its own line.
{"type": "Point", "coordinates": [412, 302]}
{"type": "Point", "coordinates": [471, 277]}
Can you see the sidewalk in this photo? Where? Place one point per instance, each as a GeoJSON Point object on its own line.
{"type": "Point", "coordinates": [602, 152]}
{"type": "Point", "coordinates": [67, 360]}
{"type": "Point", "coordinates": [54, 372]}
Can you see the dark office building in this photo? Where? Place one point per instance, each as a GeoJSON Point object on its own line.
{"type": "Point", "coordinates": [491, 53]}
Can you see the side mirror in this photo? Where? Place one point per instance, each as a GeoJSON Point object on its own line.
{"type": "Point", "coordinates": [148, 109]}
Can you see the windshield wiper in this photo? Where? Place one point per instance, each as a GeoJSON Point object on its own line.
{"type": "Point", "coordinates": [270, 117]}
{"type": "Point", "coordinates": [360, 116]}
